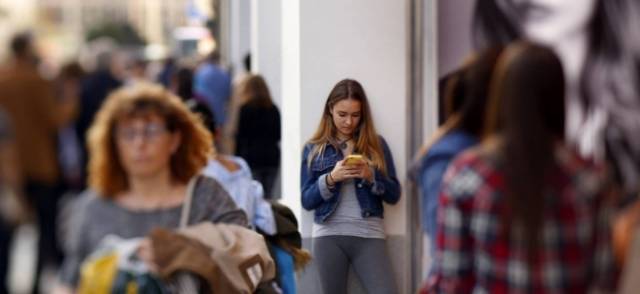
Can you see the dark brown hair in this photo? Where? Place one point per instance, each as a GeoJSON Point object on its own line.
{"type": "Point", "coordinates": [526, 113]}
{"type": "Point", "coordinates": [256, 92]}
{"type": "Point", "coordinates": [466, 97]}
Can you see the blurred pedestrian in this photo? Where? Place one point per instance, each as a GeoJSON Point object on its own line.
{"type": "Point", "coordinates": [94, 90]}
{"type": "Point", "coordinates": [12, 203]}
{"type": "Point", "coordinates": [466, 103]}
{"type": "Point", "coordinates": [145, 147]}
{"type": "Point", "coordinates": [522, 212]}
{"type": "Point", "coordinates": [258, 135]}
{"type": "Point", "coordinates": [212, 85]}
{"type": "Point", "coordinates": [137, 71]}
{"type": "Point", "coordinates": [238, 98]}
{"type": "Point", "coordinates": [182, 84]}
{"type": "Point", "coordinates": [69, 147]}
{"type": "Point", "coordinates": [168, 70]}
{"type": "Point", "coordinates": [234, 174]}
{"type": "Point", "coordinates": [36, 115]}
{"type": "Point", "coordinates": [596, 40]}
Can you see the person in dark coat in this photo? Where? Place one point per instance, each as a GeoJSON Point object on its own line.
{"type": "Point", "coordinates": [258, 136]}
{"type": "Point", "coordinates": [93, 91]}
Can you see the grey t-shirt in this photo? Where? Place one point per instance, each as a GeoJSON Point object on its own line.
{"type": "Point", "coordinates": [96, 217]}
{"type": "Point", "coordinates": [347, 220]}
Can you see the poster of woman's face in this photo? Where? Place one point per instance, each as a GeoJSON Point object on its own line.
{"type": "Point", "coordinates": [549, 21]}
{"type": "Point", "coordinates": [598, 44]}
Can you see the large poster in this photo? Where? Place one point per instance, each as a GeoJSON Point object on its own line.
{"type": "Point", "coordinates": [600, 52]}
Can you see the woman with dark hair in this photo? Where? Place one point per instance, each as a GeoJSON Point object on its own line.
{"type": "Point", "coordinates": [258, 136]}
{"type": "Point", "coordinates": [598, 46]}
{"type": "Point", "coordinates": [466, 102]}
{"type": "Point", "coordinates": [521, 213]}
{"type": "Point", "coordinates": [234, 174]}
{"type": "Point", "coordinates": [182, 83]}
{"type": "Point", "coordinates": [346, 193]}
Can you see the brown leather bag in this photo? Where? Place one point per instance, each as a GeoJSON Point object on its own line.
{"type": "Point", "coordinates": [625, 227]}
{"type": "Point", "coordinates": [626, 246]}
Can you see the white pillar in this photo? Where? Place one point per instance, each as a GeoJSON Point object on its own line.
{"type": "Point", "coordinates": [325, 41]}
{"type": "Point", "coordinates": [266, 44]}
{"type": "Point", "coordinates": [454, 33]}
{"type": "Point", "coordinates": [291, 107]}
{"type": "Point", "coordinates": [430, 73]}
{"type": "Point", "coordinates": [430, 67]}
{"type": "Point", "coordinates": [239, 32]}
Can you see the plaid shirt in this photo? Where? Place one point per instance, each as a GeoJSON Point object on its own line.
{"type": "Point", "coordinates": [479, 253]}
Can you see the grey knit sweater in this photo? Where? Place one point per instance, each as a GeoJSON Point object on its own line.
{"type": "Point", "coordinates": [95, 217]}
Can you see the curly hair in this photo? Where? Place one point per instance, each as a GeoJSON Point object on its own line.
{"type": "Point", "coordinates": [106, 173]}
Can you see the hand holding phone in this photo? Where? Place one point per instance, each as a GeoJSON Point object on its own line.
{"type": "Point", "coordinates": [353, 159]}
{"type": "Point", "coordinates": [353, 166]}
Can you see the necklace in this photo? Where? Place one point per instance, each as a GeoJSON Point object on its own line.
{"type": "Point", "coordinates": [343, 145]}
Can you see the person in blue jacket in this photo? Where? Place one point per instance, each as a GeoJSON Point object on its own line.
{"type": "Point", "coordinates": [347, 194]}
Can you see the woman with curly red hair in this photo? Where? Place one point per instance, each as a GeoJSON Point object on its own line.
{"type": "Point", "coordinates": [145, 146]}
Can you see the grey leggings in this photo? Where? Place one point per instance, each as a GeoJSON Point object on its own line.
{"type": "Point", "coordinates": [369, 258]}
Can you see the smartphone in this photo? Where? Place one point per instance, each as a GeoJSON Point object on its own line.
{"type": "Point", "coordinates": [353, 159]}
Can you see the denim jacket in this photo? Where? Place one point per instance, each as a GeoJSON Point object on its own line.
{"type": "Point", "coordinates": [317, 196]}
{"type": "Point", "coordinates": [433, 167]}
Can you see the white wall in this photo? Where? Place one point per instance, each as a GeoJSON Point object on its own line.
{"type": "Point", "coordinates": [324, 41]}
{"type": "Point", "coordinates": [291, 147]}
{"type": "Point", "coordinates": [430, 65]}
{"type": "Point", "coordinates": [430, 74]}
{"type": "Point", "coordinates": [454, 33]}
{"type": "Point", "coordinates": [266, 44]}
{"type": "Point", "coordinates": [240, 33]}
{"type": "Point", "coordinates": [365, 40]}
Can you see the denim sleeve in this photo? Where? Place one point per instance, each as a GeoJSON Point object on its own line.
{"type": "Point", "coordinates": [430, 182]}
{"type": "Point", "coordinates": [387, 186]}
{"type": "Point", "coordinates": [263, 218]}
{"type": "Point", "coordinates": [325, 192]}
{"type": "Point", "coordinates": [313, 191]}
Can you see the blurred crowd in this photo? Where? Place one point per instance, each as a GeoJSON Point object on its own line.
{"type": "Point", "coordinates": [142, 131]}
{"type": "Point", "coordinates": [530, 185]}
{"type": "Point", "coordinates": [162, 175]}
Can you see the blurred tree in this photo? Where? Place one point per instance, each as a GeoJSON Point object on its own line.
{"type": "Point", "coordinates": [122, 33]}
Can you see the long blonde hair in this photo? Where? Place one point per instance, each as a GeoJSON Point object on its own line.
{"type": "Point", "coordinates": [366, 138]}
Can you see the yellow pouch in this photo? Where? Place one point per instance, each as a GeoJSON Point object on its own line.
{"type": "Point", "coordinates": [97, 275]}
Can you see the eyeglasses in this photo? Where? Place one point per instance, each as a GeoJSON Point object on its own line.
{"type": "Point", "coordinates": [149, 132]}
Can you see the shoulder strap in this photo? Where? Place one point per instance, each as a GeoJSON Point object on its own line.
{"type": "Point", "coordinates": [186, 206]}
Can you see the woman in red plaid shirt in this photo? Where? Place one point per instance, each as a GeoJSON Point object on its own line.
{"type": "Point", "coordinates": [521, 213]}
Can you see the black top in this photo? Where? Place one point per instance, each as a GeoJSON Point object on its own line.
{"type": "Point", "coordinates": [94, 91]}
{"type": "Point", "coordinates": [258, 137]}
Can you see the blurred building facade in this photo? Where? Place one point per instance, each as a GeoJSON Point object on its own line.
{"type": "Point", "coordinates": [64, 24]}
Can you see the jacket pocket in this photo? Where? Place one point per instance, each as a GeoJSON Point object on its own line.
{"type": "Point", "coordinates": [321, 165]}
